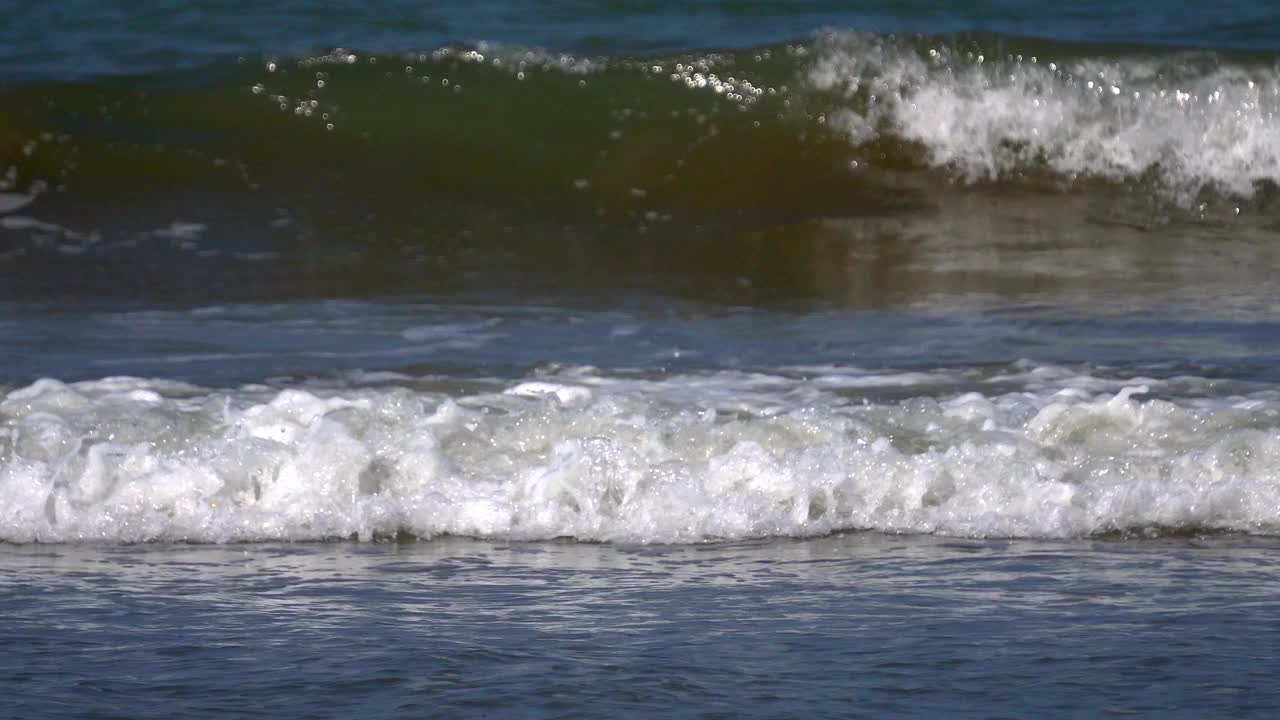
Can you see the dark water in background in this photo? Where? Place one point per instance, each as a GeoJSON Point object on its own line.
{"type": "Point", "coordinates": [740, 159]}
{"type": "Point", "coordinates": [742, 336]}
{"type": "Point", "coordinates": [724, 153]}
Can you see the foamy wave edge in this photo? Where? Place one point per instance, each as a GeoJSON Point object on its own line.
{"type": "Point", "coordinates": [1192, 121]}
{"type": "Point", "coordinates": [681, 460]}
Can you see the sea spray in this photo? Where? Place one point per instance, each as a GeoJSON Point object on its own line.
{"type": "Point", "coordinates": [590, 456]}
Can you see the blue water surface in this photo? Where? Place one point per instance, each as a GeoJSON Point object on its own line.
{"type": "Point", "coordinates": [849, 626]}
{"type": "Point", "coordinates": [79, 38]}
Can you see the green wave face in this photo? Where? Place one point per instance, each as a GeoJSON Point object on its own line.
{"type": "Point", "coordinates": [748, 164]}
{"type": "Point", "coordinates": [519, 130]}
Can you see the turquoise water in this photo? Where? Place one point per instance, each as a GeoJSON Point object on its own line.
{"type": "Point", "coordinates": [712, 359]}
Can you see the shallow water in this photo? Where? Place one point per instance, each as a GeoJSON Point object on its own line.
{"type": "Point", "coordinates": [706, 359]}
{"type": "Point", "coordinates": [855, 625]}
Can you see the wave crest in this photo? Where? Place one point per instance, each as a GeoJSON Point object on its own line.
{"type": "Point", "coordinates": [1194, 120]}
{"type": "Point", "coordinates": [684, 459]}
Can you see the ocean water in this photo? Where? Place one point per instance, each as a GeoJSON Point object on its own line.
{"type": "Point", "coordinates": [709, 359]}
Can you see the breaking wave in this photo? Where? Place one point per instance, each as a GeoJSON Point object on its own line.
{"type": "Point", "coordinates": [685, 458]}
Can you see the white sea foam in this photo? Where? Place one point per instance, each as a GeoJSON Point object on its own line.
{"type": "Point", "coordinates": [680, 459]}
{"type": "Point", "coordinates": [1194, 120]}
{"type": "Point", "coordinates": [12, 202]}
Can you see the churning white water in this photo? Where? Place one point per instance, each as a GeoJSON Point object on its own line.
{"type": "Point", "coordinates": [1193, 120]}
{"type": "Point", "coordinates": [1044, 452]}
